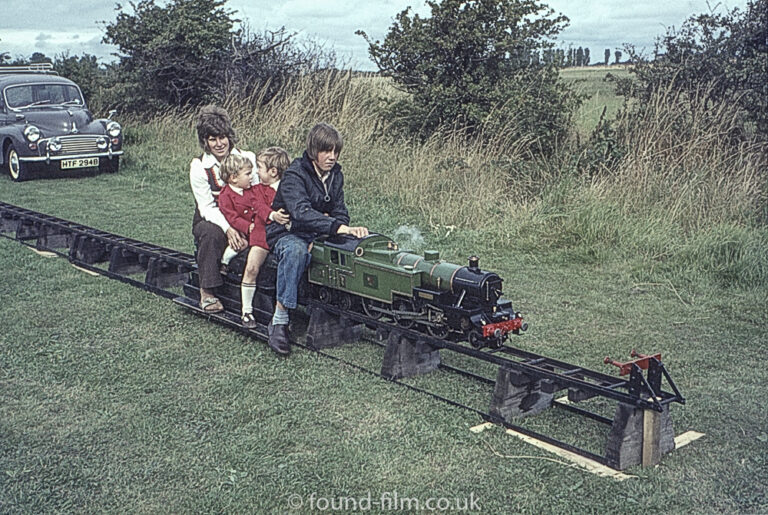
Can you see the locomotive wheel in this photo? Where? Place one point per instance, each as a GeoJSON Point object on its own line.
{"type": "Point", "coordinates": [438, 331]}
{"type": "Point", "coordinates": [475, 339]}
{"type": "Point", "coordinates": [324, 294]}
{"type": "Point", "coordinates": [345, 301]}
{"type": "Point", "coordinates": [404, 305]}
{"type": "Point", "coordinates": [368, 308]}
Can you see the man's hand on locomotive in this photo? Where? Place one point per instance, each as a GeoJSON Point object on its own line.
{"type": "Point", "coordinates": [357, 232]}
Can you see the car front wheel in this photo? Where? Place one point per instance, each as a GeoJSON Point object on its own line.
{"type": "Point", "coordinates": [16, 169]}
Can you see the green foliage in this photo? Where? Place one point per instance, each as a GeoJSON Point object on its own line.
{"type": "Point", "coordinates": [715, 58]}
{"type": "Point", "coordinates": [170, 54]}
{"type": "Point", "coordinates": [474, 66]}
{"type": "Point", "coordinates": [85, 71]}
{"type": "Point", "coordinates": [190, 52]}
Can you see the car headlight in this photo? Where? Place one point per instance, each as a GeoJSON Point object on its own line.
{"type": "Point", "coordinates": [54, 145]}
{"type": "Point", "coordinates": [101, 143]}
{"type": "Point", "coordinates": [32, 133]}
{"type": "Point", "coordinates": [114, 129]}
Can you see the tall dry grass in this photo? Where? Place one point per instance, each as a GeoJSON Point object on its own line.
{"type": "Point", "coordinates": [682, 162]}
{"type": "Point", "coordinates": [683, 195]}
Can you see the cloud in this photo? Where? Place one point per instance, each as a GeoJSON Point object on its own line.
{"type": "Point", "coordinates": [22, 43]}
{"type": "Point", "coordinates": [598, 24]}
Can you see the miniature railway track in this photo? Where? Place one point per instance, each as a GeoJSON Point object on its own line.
{"type": "Point", "coordinates": [124, 259]}
{"type": "Point", "coordinates": [559, 374]}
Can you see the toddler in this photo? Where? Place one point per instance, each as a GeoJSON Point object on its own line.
{"type": "Point", "coordinates": [249, 209]}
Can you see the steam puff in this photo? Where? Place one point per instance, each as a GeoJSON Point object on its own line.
{"type": "Point", "coordinates": [409, 237]}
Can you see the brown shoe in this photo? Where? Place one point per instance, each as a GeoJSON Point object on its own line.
{"type": "Point", "coordinates": [211, 305]}
{"type": "Point", "coordinates": [278, 339]}
{"type": "Point", "coordinates": [248, 321]}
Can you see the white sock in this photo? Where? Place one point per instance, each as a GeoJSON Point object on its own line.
{"type": "Point", "coordinates": [247, 290]}
{"type": "Point", "coordinates": [229, 253]}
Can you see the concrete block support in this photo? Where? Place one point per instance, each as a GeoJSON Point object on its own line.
{"type": "Point", "coordinates": [325, 330]}
{"type": "Point", "coordinates": [639, 436]}
{"type": "Point", "coordinates": [517, 395]}
{"type": "Point", "coordinates": [404, 357]}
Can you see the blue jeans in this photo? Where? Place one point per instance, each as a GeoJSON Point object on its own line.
{"type": "Point", "coordinates": [291, 251]}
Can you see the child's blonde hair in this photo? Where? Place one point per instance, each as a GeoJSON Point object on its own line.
{"type": "Point", "coordinates": [275, 157]}
{"type": "Point", "coordinates": [232, 165]}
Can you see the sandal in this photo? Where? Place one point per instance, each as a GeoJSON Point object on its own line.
{"type": "Point", "coordinates": [248, 321]}
{"type": "Point", "coordinates": [211, 305]}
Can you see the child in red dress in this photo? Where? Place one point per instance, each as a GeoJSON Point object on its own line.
{"type": "Point", "coordinates": [249, 209]}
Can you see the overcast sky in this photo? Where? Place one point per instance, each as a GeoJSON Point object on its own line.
{"type": "Point", "coordinates": [56, 26]}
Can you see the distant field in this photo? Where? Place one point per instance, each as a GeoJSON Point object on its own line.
{"type": "Point", "coordinates": [600, 93]}
{"type": "Point", "coordinates": [590, 81]}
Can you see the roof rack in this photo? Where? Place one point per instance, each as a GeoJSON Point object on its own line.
{"type": "Point", "coordinates": [46, 68]}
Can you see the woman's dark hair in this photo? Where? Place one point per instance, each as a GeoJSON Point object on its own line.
{"type": "Point", "coordinates": [214, 121]}
{"type": "Point", "coordinates": [323, 137]}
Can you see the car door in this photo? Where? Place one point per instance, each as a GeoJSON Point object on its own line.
{"type": "Point", "coordinates": [3, 112]}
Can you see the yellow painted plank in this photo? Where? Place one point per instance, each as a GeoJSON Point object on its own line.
{"type": "Point", "coordinates": [89, 272]}
{"type": "Point", "coordinates": [580, 461]}
{"type": "Point", "coordinates": [686, 438]}
{"type": "Point", "coordinates": [44, 253]}
{"type": "Point", "coordinates": [481, 427]}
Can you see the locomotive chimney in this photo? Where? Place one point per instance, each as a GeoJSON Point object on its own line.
{"type": "Point", "coordinates": [474, 262]}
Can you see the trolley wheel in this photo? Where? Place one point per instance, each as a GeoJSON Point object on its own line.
{"type": "Point", "coordinates": [345, 301]}
{"type": "Point", "coordinates": [438, 331]}
{"type": "Point", "coordinates": [324, 295]}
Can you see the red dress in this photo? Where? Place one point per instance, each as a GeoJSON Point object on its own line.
{"type": "Point", "coordinates": [253, 206]}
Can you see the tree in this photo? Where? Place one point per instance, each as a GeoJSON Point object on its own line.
{"type": "Point", "coordinates": [190, 52]}
{"type": "Point", "coordinates": [607, 56]}
{"type": "Point", "coordinates": [39, 57]}
{"type": "Point", "coordinates": [714, 58]}
{"type": "Point", "coordinates": [617, 53]}
{"type": "Point", "coordinates": [85, 71]}
{"type": "Point", "coordinates": [468, 66]}
{"type": "Point", "coordinates": [172, 53]}
{"type": "Point", "coordinates": [580, 57]}
{"type": "Point", "coordinates": [586, 56]}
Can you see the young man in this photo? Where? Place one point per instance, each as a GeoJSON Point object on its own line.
{"type": "Point", "coordinates": [312, 192]}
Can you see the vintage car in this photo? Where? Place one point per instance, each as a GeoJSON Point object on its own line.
{"type": "Point", "coordinates": [45, 126]}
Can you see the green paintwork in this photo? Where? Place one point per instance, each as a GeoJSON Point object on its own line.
{"type": "Point", "coordinates": [376, 269]}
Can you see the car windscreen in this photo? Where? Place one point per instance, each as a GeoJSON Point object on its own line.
{"type": "Point", "coordinates": [29, 95]}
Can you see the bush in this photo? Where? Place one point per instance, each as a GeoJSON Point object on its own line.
{"type": "Point", "coordinates": [474, 67]}
{"type": "Point", "coordinates": [713, 58]}
{"type": "Point", "coordinates": [190, 53]}
{"type": "Point", "coordinates": [86, 72]}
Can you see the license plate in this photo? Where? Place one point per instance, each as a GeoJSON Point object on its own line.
{"type": "Point", "coordinates": [83, 162]}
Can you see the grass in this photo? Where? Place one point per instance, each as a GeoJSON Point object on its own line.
{"type": "Point", "coordinates": [599, 91]}
{"type": "Point", "coordinates": [114, 400]}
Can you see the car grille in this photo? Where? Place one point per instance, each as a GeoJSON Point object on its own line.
{"type": "Point", "coordinates": [85, 144]}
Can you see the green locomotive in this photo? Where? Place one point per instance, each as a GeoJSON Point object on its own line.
{"type": "Point", "coordinates": [374, 276]}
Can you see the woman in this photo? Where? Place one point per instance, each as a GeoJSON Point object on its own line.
{"type": "Point", "coordinates": [211, 230]}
